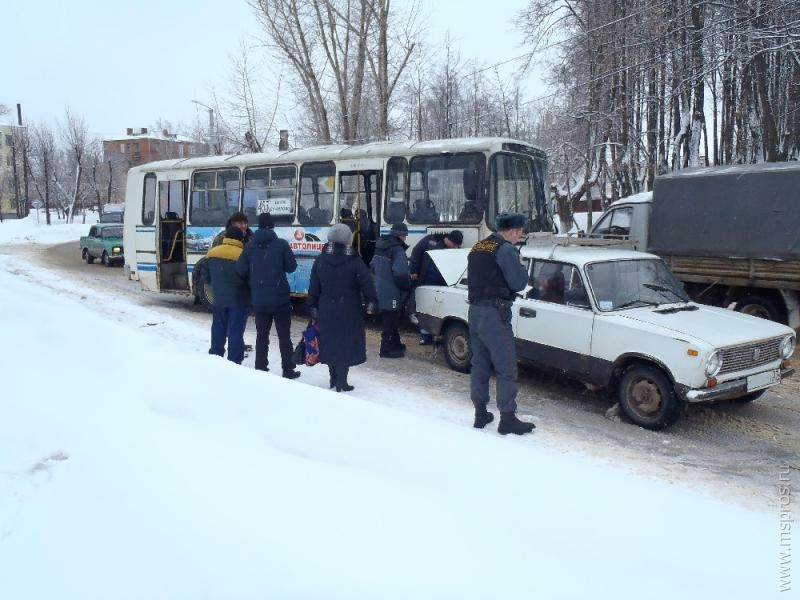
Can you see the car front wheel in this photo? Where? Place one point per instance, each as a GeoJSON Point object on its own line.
{"type": "Point", "coordinates": [104, 259]}
{"type": "Point", "coordinates": [456, 347]}
{"type": "Point", "coordinates": [647, 398]}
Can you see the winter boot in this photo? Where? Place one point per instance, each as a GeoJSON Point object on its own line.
{"type": "Point", "coordinates": [291, 374]}
{"type": "Point", "coordinates": [341, 380]}
{"type": "Point", "coordinates": [332, 373]}
{"type": "Point", "coordinates": [425, 339]}
{"type": "Point", "coordinates": [509, 423]}
{"type": "Point", "coordinates": [389, 351]}
{"type": "Point", "coordinates": [482, 418]}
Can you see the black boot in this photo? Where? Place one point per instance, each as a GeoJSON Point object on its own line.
{"type": "Point", "coordinates": [482, 418]}
{"type": "Point", "coordinates": [332, 373]}
{"type": "Point", "coordinates": [292, 374]}
{"type": "Point", "coordinates": [341, 380]}
{"type": "Point", "coordinates": [389, 351]}
{"type": "Point", "coordinates": [509, 423]}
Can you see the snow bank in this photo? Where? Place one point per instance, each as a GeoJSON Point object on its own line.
{"type": "Point", "coordinates": [132, 467]}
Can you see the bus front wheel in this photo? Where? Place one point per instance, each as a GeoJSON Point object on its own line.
{"type": "Point", "coordinates": [203, 294]}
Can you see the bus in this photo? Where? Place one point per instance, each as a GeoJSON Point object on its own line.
{"type": "Point", "coordinates": [175, 208]}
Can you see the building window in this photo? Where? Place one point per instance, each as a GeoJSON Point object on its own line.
{"type": "Point", "coordinates": [122, 148]}
{"type": "Point", "coordinates": [9, 140]}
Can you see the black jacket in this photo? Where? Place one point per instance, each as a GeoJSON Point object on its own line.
{"type": "Point", "coordinates": [339, 281]}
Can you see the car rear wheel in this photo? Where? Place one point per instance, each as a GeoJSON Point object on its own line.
{"type": "Point", "coordinates": [456, 347]}
{"type": "Point", "coordinates": [87, 256]}
{"type": "Point", "coordinates": [647, 398]}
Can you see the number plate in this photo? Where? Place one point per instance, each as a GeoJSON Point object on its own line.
{"type": "Point", "coordinates": [762, 380]}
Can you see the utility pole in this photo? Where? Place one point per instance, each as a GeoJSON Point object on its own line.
{"type": "Point", "coordinates": [24, 161]}
{"type": "Point", "coordinates": [213, 134]}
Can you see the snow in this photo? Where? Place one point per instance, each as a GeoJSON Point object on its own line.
{"type": "Point", "coordinates": [33, 229]}
{"type": "Point", "coordinates": [135, 465]}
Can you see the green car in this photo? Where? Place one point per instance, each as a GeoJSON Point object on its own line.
{"type": "Point", "coordinates": [104, 242]}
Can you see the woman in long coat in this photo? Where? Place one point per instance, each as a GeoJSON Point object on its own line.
{"type": "Point", "coordinates": [339, 281]}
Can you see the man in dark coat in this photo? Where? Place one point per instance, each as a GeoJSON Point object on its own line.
{"type": "Point", "coordinates": [339, 281]}
{"type": "Point", "coordinates": [264, 263]}
{"type": "Point", "coordinates": [231, 296]}
{"type": "Point", "coordinates": [390, 266]}
{"type": "Point", "coordinates": [422, 269]}
{"type": "Point", "coordinates": [494, 275]}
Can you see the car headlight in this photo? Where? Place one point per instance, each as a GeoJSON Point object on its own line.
{"type": "Point", "coordinates": [787, 346]}
{"type": "Point", "coordinates": [116, 250]}
{"type": "Point", "coordinates": [714, 363]}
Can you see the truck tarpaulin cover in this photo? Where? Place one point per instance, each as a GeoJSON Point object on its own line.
{"type": "Point", "coordinates": [742, 211]}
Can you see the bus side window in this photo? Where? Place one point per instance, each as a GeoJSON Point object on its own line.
{"type": "Point", "coordinates": [396, 172]}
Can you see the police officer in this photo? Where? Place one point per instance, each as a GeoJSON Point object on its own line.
{"type": "Point", "coordinates": [494, 275]}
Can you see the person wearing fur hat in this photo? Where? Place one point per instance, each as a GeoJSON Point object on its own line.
{"type": "Point", "coordinates": [392, 282]}
{"type": "Point", "coordinates": [339, 281]}
{"type": "Point", "coordinates": [494, 275]}
{"type": "Point", "coordinates": [264, 264]}
{"type": "Point", "coordinates": [231, 305]}
{"type": "Point", "coordinates": [423, 270]}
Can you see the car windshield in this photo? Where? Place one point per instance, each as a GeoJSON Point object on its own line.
{"type": "Point", "coordinates": [630, 283]}
{"type": "Point", "coordinates": [110, 232]}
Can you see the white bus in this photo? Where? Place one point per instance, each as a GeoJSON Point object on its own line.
{"type": "Point", "coordinates": [175, 208]}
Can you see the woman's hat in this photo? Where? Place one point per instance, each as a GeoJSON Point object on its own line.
{"type": "Point", "coordinates": [340, 234]}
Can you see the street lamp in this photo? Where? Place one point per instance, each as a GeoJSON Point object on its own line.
{"type": "Point", "coordinates": [213, 134]}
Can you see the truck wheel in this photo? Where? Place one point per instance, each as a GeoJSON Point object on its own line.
{"type": "Point", "coordinates": [104, 259]}
{"type": "Point", "coordinates": [87, 256]}
{"type": "Point", "coordinates": [750, 397]}
{"type": "Point", "coordinates": [456, 347]}
{"type": "Point", "coordinates": [647, 398]}
{"type": "Point", "coordinates": [760, 306]}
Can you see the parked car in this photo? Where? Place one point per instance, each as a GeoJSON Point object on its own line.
{"type": "Point", "coordinates": [112, 217]}
{"type": "Point", "coordinates": [619, 319]}
{"type": "Point", "coordinates": [104, 242]}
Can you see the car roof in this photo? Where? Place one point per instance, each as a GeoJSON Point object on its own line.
{"type": "Point", "coordinates": [582, 255]}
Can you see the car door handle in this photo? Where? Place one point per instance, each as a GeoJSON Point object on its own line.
{"type": "Point", "coordinates": [527, 312]}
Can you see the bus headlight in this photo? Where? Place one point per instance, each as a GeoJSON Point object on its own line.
{"type": "Point", "coordinates": [787, 346]}
{"type": "Point", "coordinates": [714, 363]}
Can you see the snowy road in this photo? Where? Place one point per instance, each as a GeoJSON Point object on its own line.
{"type": "Point", "coordinates": [727, 450]}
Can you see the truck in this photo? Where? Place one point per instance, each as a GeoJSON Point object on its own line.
{"type": "Point", "coordinates": [730, 234]}
{"type": "Point", "coordinates": [103, 242]}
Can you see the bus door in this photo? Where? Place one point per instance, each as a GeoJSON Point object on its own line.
{"type": "Point", "coordinates": [359, 205]}
{"type": "Point", "coordinates": [171, 245]}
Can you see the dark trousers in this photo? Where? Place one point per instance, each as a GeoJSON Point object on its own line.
{"type": "Point", "coordinates": [338, 375]}
{"type": "Point", "coordinates": [282, 315]}
{"type": "Point", "coordinates": [390, 334]}
{"type": "Point", "coordinates": [228, 324]}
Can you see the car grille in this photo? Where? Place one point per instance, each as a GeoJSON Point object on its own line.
{"type": "Point", "coordinates": [739, 358]}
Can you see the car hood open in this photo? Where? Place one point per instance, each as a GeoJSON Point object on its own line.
{"type": "Point", "coordinates": [451, 263]}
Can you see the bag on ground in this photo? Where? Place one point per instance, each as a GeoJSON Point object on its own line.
{"type": "Point", "coordinates": [311, 340]}
{"type": "Point", "coordinates": [299, 355]}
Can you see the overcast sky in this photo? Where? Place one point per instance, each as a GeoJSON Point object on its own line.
{"type": "Point", "coordinates": [122, 63]}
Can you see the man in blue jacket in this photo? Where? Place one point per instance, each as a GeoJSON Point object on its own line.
{"type": "Point", "coordinates": [231, 304]}
{"type": "Point", "coordinates": [264, 264]}
{"type": "Point", "coordinates": [392, 282]}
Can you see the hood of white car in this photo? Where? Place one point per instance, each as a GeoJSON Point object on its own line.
{"type": "Point", "coordinates": [451, 263]}
{"type": "Point", "coordinates": [716, 326]}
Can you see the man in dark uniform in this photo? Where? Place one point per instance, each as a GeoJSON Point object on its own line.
{"type": "Point", "coordinates": [494, 275]}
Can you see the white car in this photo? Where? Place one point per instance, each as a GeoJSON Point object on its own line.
{"type": "Point", "coordinates": [618, 319]}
